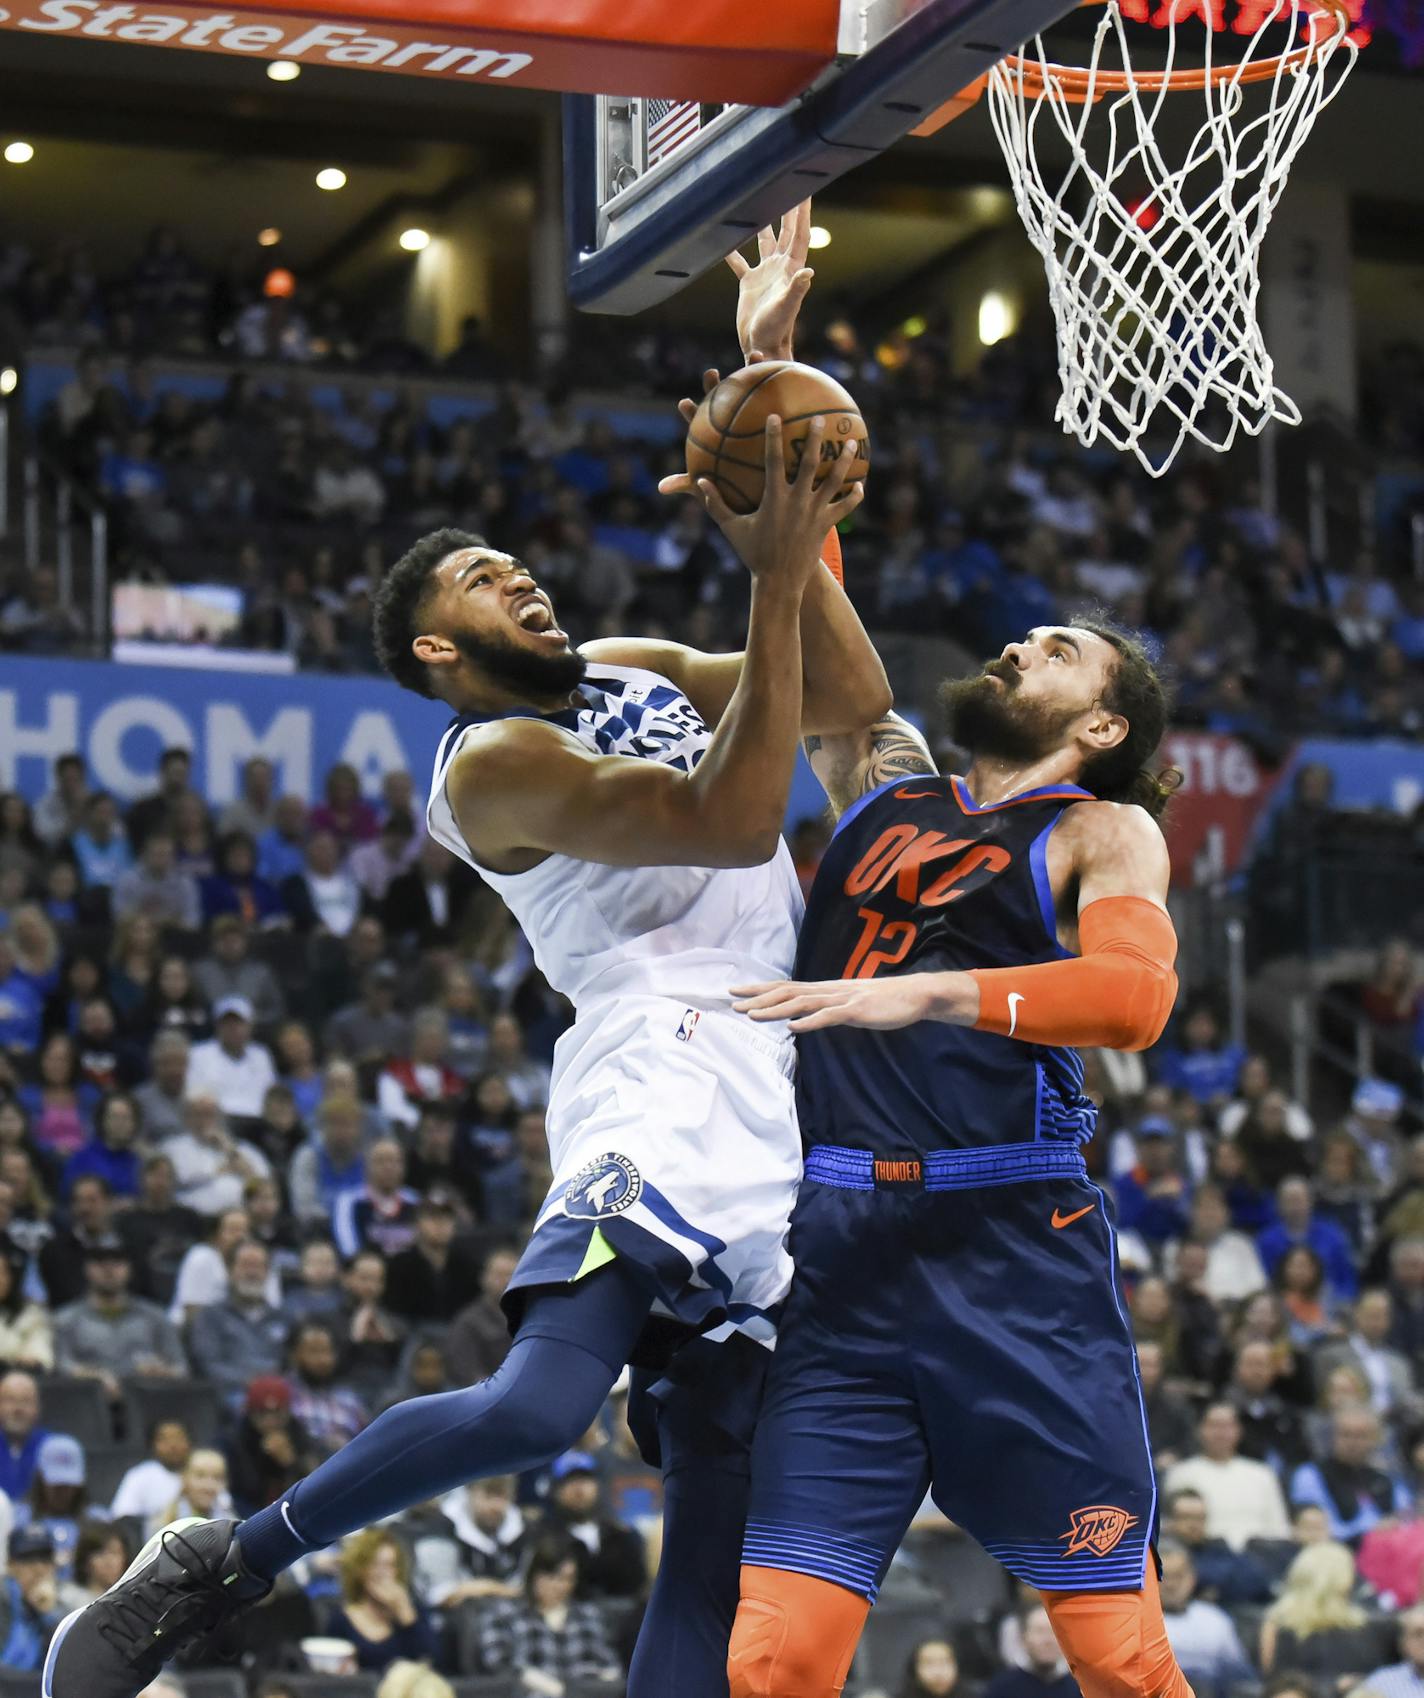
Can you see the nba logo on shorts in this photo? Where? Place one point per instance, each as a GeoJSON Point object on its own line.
{"type": "Point", "coordinates": [605, 1187]}
{"type": "Point", "coordinates": [688, 1026]}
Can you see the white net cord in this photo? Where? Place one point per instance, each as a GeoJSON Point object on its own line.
{"type": "Point", "coordinates": [1155, 305]}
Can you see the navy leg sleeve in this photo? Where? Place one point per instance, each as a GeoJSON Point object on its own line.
{"type": "Point", "coordinates": [569, 1349]}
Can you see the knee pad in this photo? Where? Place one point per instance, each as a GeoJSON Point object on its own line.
{"type": "Point", "coordinates": [794, 1636]}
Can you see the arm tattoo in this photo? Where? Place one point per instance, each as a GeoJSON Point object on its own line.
{"type": "Point", "coordinates": [852, 766]}
{"type": "Point", "coordinates": [896, 751]}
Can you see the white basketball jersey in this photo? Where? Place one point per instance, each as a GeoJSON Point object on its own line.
{"type": "Point", "coordinates": [685, 933]}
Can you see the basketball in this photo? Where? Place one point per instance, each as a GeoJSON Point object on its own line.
{"type": "Point", "coordinates": [726, 440]}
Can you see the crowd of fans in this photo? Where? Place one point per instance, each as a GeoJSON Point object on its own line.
{"type": "Point", "coordinates": [975, 523]}
{"type": "Point", "coordinates": [272, 1088]}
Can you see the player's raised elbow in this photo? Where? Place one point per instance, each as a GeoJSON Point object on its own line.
{"type": "Point", "coordinates": [844, 710]}
{"type": "Point", "coordinates": [745, 849]}
{"type": "Point", "coordinates": [1146, 1012]}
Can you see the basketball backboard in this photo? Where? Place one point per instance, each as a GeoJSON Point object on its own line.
{"type": "Point", "coordinates": [658, 190]}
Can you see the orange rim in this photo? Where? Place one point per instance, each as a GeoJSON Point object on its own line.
{"type": "Point", "coordinates": [1077, 85]}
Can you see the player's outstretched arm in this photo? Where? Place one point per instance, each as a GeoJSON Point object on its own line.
{"type": "Point", "coordinates": [1117, 993]}
{"type": "Point", "coordinates": [523, 788]}
{"type": "Point", "coordinates": [852, 765]}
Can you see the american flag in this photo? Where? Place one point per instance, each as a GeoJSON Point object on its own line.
{"type": "Point", "coordinates": [670, 124]}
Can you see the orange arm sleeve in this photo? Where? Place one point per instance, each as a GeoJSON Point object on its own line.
{"type": "Point", "coordinates": [1116, 995]}
{"type": "Point", "coordinates": [831, 557]}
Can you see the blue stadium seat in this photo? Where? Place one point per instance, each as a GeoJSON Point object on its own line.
{"type": "Point", "coordinates": [76, 1407]}
{"type": "Point", "coordinates": [107, 1464]}
{"type": "Point", "coordinates": [193, 1402]}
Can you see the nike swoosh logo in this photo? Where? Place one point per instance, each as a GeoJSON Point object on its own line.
{"type": "Point", "coordinates": [1061, 1220]}
{"type": "Point", "coordinates": [1015, 998]}
{"type": "Point", "coordinates": [915, 795]}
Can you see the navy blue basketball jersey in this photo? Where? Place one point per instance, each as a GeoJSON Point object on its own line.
{"type": "Point", "coordinates": [919, 879]}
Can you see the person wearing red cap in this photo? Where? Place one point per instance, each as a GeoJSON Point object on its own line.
{"type": "Point", "coordinates": [271, 1450]}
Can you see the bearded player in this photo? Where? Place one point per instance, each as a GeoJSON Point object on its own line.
{"type": "Point", "coordinates": [954, 1322]}
{"type": "Point", "coordinates": [626, 800]}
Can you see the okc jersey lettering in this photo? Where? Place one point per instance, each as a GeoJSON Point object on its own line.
{"type": "Point", "coordinates": [919, 879]}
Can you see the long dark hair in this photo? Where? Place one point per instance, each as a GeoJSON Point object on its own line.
{"type": "Point", "coordinates": [1136, 691]}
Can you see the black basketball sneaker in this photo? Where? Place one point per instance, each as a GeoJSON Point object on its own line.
{"type": "Point", "coordinates": [188, 1578]}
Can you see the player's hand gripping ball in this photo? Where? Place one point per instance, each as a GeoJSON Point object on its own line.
{"type": "Point", "coordinates": [726, 441]}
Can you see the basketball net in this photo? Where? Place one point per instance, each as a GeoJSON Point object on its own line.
{"type": "Point", "coordinates": [1154, 262]}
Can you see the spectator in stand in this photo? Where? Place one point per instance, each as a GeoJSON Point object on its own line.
{"type": "Point", "coordinates": [382, 1214]}
{"type": "Point", "coordinates": [298, 1069]}
{"type": "Point", "coordinates": [158, 1230]}
{"type": "Point", "coordinates": [61, 1104]}
{"type": "Point", "coordinates": [111, 1334]}
{"type": "Point", "coordinates": [482, 1554]}
{"type": "Point", "coordinates": [112, 1153]}
{"type": "Point", "coordinates": [323, 897]}
{"type": "Point", "coordinates": [20, 848]}
{"type": "Point", "coordinates": [1316, 1627]}
{"type": "Point", "coordinates": [1345, 1190]}
{"type": "Point", "coordinates": [229, 971]}
{"type": "Point", "coordinates": [1202, 1636]}
{"type": "Point", "coordinates": [432, 1278]}
{"type": "Point", "coordinates": [270, 1450]}
{"type": "Point", "coordinates": [377, 1613]}
{"type": "Point", "coordinates": [330, 1411]}
{"type": "Point", "coordinates": [1307, 1300]}
{"type": "Point", "coordinates": [1044, 1673]}
{"type": "Point", "coordinates": [101, 846]}
{"type": "Point", "coordinates": [212, 1166]}
{"type": "Point", "coordinates": [21, 1005]}
{"type": "Point", "coordinates": [1406, 1290]}
{"type": "Point", "coordinates": [1233, 1266]}
{"type": "Point", "coordinates": [21, 1434]}
{"type": "Point", "coordinates": [1205, 1063]}
{"type": "Point", "coordinates": [1366, 1345]}
{"type": "Point", "coordinates": [527, 1079]}
{"type": "Point", "coordinates": [157, 886]}
{"type": "Point", "coordinates": [60, 811]}
{"type": "Point", "coordinates": [438, 1160]}
{"type": "Point", "coordinates": [231, 1067]}
{"type": "Point", "coordinates": [547, 1631]}
{"type": "Point", "coordinates": [372, 1030]}
{"type": "Point", "coordinates": [202, 1489]}
{"type": "Point", "coordinates": [478, 1340]}
{"type": "Point", "coordinates": [255, 809]}
{"type": "Point", "coordinates": [1354, 1492]}
{"type": "Point", "coordinates": [1223, 1576]}
{"type": "Point", "coordinates": [101, 1555]}
{"type": "Point", "coordinates": [1152, 1199]}
{"type": "Point", "coordinates": [613, 1564]}
{"type": "Point", "coordinates": [156, 813]}
{"type": "Point", "coordinates": [343, 811]}
{"type": "Point", "coordinates": [1400, 1212]}
{"type": "Point", "coordinates": [1243, 1497]}
{"type": "Point", "coordinates": [203, 1276]}
{"type": "Point", "coordinates": [1271, 1431]}
{"type": "Point", "coordinates": [1250, 1207]}
{"type": "Point", "coordinates": [1165, 1314]}
{"type": "Point", "coordinates": [1170, 1421]}
{"type": "Point", "coordinates": [161, 1102]}
{"type": "Point", "coordinates": [376, 864]}
{"type": "Point", "coordinates": [373, 1337]}
{"type": "Point", "coordinates": [315, 1294]}
{"type": "Point", "coordinates": [29, 1601]}
{"type": "Point", "coordinates": [148, 1488]}
{"type": "Point", "coordinates": [1264, 1138]}
{"type": "Point", "coordinates": [281, 848]}
{"type": "Point", "coordinates": [243, 1337]}
{"type": "Point", "coordinates": [91, 1226]}
{"type": "Point", "coordinates": [1297, 1223]}
{"type": "Point", "coordinates": [330, 1164]}
{"type": "Point", "coordinates": [491, 1148]}
{"type": "Point", "coordinates": [1392, 998]}
{"type": "Point", "coordinates": [1254, 1084]}
{"type": "Point", "coordinates": [26, 1337]}
{"type": "Point", "coordinates": [1403, 1679]}
{"type": "Point", "coordinates": [430, 898]}
{"type": "Point", "coordinates": [931, 1671]}
{"type": "Point", "coordinates": [235, 888]}
{"type": "Point", "coordinates": [1375, 1110]}
{"type": "Point", "coordinates": [422, 1076]}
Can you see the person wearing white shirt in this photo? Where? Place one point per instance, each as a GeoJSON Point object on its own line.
{"type": "Point", "coordinates": [151, 1485]}
{"type": "Point", "coordinates": [1406, 1679]}
{"type": "Point", "coordinates": [1203, 1637]}
{"type": "Point", "coordinates": [212, 1167]}
{"type": "Point", "coordinates": [324, 895]}
{"type": "Point", "coordinates": [230, 1067]}
{"type": "Point", "coordinates": [202, 1274]}
{"type": "Point", "coordinates": [1243, 1498]}
{"type": "Point", "coordinates": [1233, 1264]}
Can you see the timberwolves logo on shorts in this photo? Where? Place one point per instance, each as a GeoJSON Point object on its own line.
{"type": "Point", "coordinates": [605, 1187]}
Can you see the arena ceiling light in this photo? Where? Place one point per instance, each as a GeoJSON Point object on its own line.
{"type": "Point", "coordinates": [997, 318]}
{"type": "Point", "coordinates": [284, 70]}
{"type": "Point", "coordinates": [413, 240]}
{"type": "Point", "coordinates": [819, 237]}
{"type": "Point", "coordinates": [19, 153]}
{"type": "Point", "coordinates": [269, 237]}
{"type": "Point", "coordinates": [331, 179]}
{"type": "Point", "coordinates": [9, 381]}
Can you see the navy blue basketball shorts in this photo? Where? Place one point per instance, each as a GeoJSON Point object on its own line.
{"type": "Point", "coordinates": [965, 1337]}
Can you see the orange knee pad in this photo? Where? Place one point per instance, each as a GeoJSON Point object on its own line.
{"type": "Point", "coordinates": [794, 1636]}
{"type": "Point", "coordinates": [1116, 1642]}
